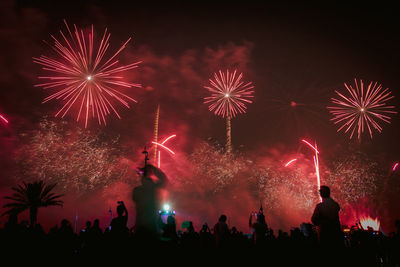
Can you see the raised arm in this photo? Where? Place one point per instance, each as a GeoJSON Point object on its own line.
{"type": "Point", "coordinates": [162, 178]}
{"type": "Point", "coordinates": [125, 209]}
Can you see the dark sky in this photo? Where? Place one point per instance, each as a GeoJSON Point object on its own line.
{"type": "Point", "coordinates": [291, 52]}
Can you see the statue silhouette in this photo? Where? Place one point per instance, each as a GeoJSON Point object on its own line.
{"type": "Point", "coordinates": [146, 199]}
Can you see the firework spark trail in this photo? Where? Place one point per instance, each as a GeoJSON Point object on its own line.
{"type": "Point", "coordinates": [83, 77]}
{"type": "Point", "coordinates": [364, 108]}
{"type": "Point", "coordinates": [162, 143]}
{"type": "Point", "coordinates": [310, 145]}
{"type": "Point", "coordinates": [3, 118]}
{"type": "Point", "coordinates": [316, 162]}
{"type": "Point", "coordinates": [290, 162]}
{"type": "Point", "coordinates": [395, 166]}
{"type": "Point", "coordinates": [229, 95]}
{"type": "Point", "coordinates": [163, 146]}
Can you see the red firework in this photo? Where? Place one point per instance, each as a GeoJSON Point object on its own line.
{"type": "Point", "coordinates": [365, 107]}
{"type": "Point", "coordinates": [82, 76]}
{"type": "Point", "coordinates": [3, 118]}
{"type": "Point", "coordinates": [289, 162]}
{"type": "Point", "coordinates": [395, 166]}
{"type": "Point", "coordinates": [229, 94]}
{"type": "Point", "coordinates": [162, 144]}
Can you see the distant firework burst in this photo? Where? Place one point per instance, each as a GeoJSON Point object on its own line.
{"type": "Point", "coordinates": [229, 94]}
{"type": "Point", "coordinates": [363, 108]}
{"type": "Point", "coordinates": [82, 75]}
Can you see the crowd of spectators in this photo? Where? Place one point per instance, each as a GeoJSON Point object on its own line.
{"type": "Point", "coordinates": [118, 244]}
{"type": "Point", "coordinates": [155, 240]}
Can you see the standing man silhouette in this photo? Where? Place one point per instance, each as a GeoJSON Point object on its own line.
{"type": "Point", "coordinates": [326, 218]}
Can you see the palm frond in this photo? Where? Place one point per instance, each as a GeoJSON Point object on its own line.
{"type": "Point", "coordinates": [12, 211]}
{"type": "Point", "coordinates": [47, 189]}
{"type": "Point", "coordinates": [15, 198]}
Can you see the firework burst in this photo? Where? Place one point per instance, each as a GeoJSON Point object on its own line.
{"type": "Point", "coordinates": [364, 108]}
{"type": "Point", "coordinates": [81, 75]}
{"type": "Point", "coordinates": [229, 97]}
{"type": "Point", "coordinates": [229, 94]}
{"type": "Point", "coordinates": [78, 161]}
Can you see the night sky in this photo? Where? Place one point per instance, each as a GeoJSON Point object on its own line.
{"type": "Point", "coordinates": [291, 52]}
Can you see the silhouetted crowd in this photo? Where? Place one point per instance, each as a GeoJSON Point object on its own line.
{"type": "Point", "coordinates": [155, 240]}
{"type": "Point", "coordinates": [118, 245]}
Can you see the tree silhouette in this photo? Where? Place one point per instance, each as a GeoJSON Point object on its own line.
{"type": "Point", "coordinates": [32, 196]}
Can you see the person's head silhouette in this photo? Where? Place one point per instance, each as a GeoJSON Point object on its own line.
{"type": "Point", "coordinates": [222, 218]}
{"type": "Point", "coordinates": [324, 191]}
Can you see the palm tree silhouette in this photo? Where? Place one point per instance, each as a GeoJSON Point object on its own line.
{"type": "Point", "coordinates": [32, 196]}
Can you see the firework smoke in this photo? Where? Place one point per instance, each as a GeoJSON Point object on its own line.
{"type": "Point", "coordinates": [78, 161]}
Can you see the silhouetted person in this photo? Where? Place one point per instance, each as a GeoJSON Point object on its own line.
{"type": "Point", "coordinates": [118, 224]}
{"type": "Point", "coordinates": [397, 225]}
{"type": "Point", "coordinates": [85, 231]}
{"type": "Point", "coordinates": [96, 231]}
{"type": "Point", "coordinates": [169, 230]}
{"type": "Point", "coordinates": [221, 232]}
{"type": "Point", "coordinates": [11, 226]}
{"type": "Point", "coordinates": [65, 238]}
{"type": "Point", "coordinates": [189, 237]}
{"type": "Point", "coordinates": [146, 198]}
{"type": "Point", "coordinates": [206, 238]}
{"type": "Point", "coordinates": [260, 228]}
{"type": "Point", "coordinates": [326, 218]}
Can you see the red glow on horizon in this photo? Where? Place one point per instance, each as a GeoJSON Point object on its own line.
{"type": "Point", "coordinates": [3, 118]}
{"type": "Point", "coordinates": [395, 166]}
{"type": "Point", "coordinates": [310, 145]}
{"type": "Point", "coordinates": [290, 162]}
